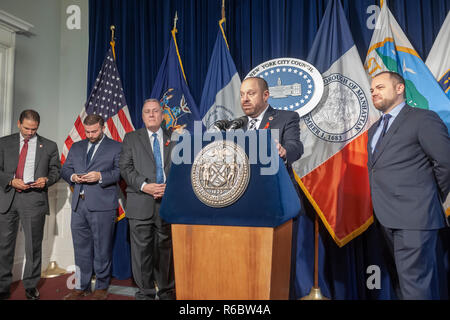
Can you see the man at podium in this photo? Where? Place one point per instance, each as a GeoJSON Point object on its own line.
{"type": "Point", "coordinates": [260, 115]}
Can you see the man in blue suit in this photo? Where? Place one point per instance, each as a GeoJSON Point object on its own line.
{"type": "Point", "coordinates": [92, 169]}
{"type": "Point", "coordinates": [409, 172]}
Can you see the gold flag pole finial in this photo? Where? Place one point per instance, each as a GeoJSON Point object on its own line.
{"type": "Point", "coordinates": [174, 31]}
{"type": "Point", "coordinates": [222, 22]}
{"type": "Point", "coordinates": [113, 42]}
{"type": "Point", "coordinates": [223, 9]}
{"type": "Point", "coordinates": [175, 20]}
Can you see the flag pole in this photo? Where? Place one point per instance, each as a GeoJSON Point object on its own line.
{"type": "Point", "coordinates": [315, 293]}
{"type": "Point", "coordinates": [113, 42]}
{"type": "Point", "coordinates": [174, 32]}
{"type": "Point", "coordinates": [223, 9]}
{"type": "Point", "coordinates": [221, 22]}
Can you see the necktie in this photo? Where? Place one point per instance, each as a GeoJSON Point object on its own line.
{"type": "Point", "coordinates": [22, 158]}
{"type": "Point", "coordinates": [253, 124]}
{"type": "Point", "coordinates": [89, 154]}
{"type": "Point", "coordinates": [88, 160]}
{"type": "Point", "coordinates": [386, 118]}
{"type": "Point", "coordinates": [158, 161]}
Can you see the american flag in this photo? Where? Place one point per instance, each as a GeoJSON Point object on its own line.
{"type": "Point", "coordinates": [108, 101]}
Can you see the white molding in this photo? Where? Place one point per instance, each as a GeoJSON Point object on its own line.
{"type": "Point", "coordinates": [13, 23]}
{"type": "Point", "coordinates": [7, 48]}
{"type": "Point", "coordinates": [9, 27]}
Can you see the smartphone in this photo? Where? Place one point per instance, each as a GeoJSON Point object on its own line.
{"type": "Point", "coordinates": [81, 174]}
{"type": "Point", "coordinates": [30, 182]}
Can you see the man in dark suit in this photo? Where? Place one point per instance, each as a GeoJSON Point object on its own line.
{"type": "Point", "coordinates": [409, 171]}
{"type": "Point", "coordinates": [144, 164]}
{"type": "Point", "coordinates": [92, 169]}
{"type": "Point", "coordinates": [29, 164]}
{"type": "Point", "coordinates": [260, 115]}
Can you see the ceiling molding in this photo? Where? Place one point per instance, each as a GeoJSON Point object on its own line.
{"type": "Point", "coordinates": [15, 24]}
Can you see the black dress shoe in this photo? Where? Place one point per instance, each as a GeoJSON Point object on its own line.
{"type": "Point", "coordinates": [4, 295]}
{"type": "Point", "coordinates": [168, 295]}
{"type": "Point", "coordinates": [32, 294]}
{"type": "Point", "coordinates": [141, 296]}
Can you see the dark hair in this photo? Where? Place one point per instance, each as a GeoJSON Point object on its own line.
{"type": "Point", "coordinates": [397, 77]}
{"type": "Point", "coordinates": [261, 82]}
{"type": "Point", "coordinates": [30, 115]}
{"type": "Point", "coordinates": [93, 119]}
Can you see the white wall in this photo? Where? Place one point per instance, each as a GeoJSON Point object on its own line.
{"type": "Point", "coordinates": [50, 77]}
{"type": "Point", "coordinates": [50, 65]}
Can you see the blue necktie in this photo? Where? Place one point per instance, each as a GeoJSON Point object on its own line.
{"type": "Point", "coordinates": [89, 154]}
{"type": "Point", "coordinates": [386, 119]}
{"type": "Point", "coordinates": [158, 161]}
{"type": "Point", "coordinates": [88, 160]}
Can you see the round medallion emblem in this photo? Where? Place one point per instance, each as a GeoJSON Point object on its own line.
{"type": "Point", "coordinates": [220, 174]}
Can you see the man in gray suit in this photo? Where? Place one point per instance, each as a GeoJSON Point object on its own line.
{"type": "Point", "coordinates": [29, 164]}
{"type": "Point", "coordinates": [92, 169]}
{"type": "Point", "coordinates": [409, 172]}
{"type": "Point", "coordinates": [144, 164]}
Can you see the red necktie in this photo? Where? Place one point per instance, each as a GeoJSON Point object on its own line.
{"type": "Point", "coordinates": [22, 158]}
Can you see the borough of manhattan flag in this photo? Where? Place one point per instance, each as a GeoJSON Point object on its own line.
{"type": "Point", "coordinates": [179, 107]}
{"type": "Point", "coordinates": [220, 97]}
{"type": "Point", "coordinates": [107, 99]}
{"type": "Point", "coordinates": [390, 50]}
{"type": "Point", "coordinates": [438, 60]}
{"type": "Point", "coordinates": [333, 169]}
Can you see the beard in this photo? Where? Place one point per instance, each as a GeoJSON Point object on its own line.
{"type": "Point", "coordinates": [97, 139]}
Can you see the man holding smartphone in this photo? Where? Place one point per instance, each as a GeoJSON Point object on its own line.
{"type": "Point", "coordinates": [29, 164]}
{"type": "Point", "coordinates": [92, 169]}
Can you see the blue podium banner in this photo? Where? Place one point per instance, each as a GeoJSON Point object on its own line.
{"type": "Point", "coordinates": [269, 200]}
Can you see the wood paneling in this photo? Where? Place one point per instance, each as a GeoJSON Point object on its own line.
{"type": "Point", "coordinates": [232, 263]}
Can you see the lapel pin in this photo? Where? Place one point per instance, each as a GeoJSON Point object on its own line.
{"type": "Point", "coordinates": [167, 142]}
{"type": "Point", "coordinates": [270, 118]}
{"type": "Point", "coordinates": [40, 146]}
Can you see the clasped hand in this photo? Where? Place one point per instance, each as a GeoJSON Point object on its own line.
{"type": "Point", "coordinates": [89, 177]}
{"type": "Point", "coordinates": [18, 184]}
{"type": "Point", "coordinates": [154, 189]}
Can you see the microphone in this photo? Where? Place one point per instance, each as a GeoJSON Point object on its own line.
{"type": "Point", "coordinates": [238, 123]}
{"type": "Point", "coordinates": [221, 125]}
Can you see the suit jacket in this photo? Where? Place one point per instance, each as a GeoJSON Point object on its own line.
{"type": "Point", "coordinates": [288, 122]}
{"type": "Point", "coordinates": [47, 164]}
{"type": "Point", "coordinates": [137, 165]}
{"type": "Point", "coordinates": [410, 172]}
{"type": "Point", "coordinates": [98, 196]}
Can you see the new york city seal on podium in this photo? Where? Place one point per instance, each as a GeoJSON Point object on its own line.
{"type": "Point", "coordinates": [220, 174]}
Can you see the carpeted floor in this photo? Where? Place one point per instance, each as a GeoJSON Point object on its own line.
{"type": "Point", "coordinates": [56, 288]}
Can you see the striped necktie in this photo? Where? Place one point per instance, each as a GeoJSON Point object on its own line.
{"type": "Point", "coordinates": [253, 124]}
{"type": "Point", "coordinates": [89, 154]}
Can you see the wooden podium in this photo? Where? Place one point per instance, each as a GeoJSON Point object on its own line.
{"type": "Point", "coordinates": [232, 263]}
{"type": "Point", "coordinates": [240, 251]}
